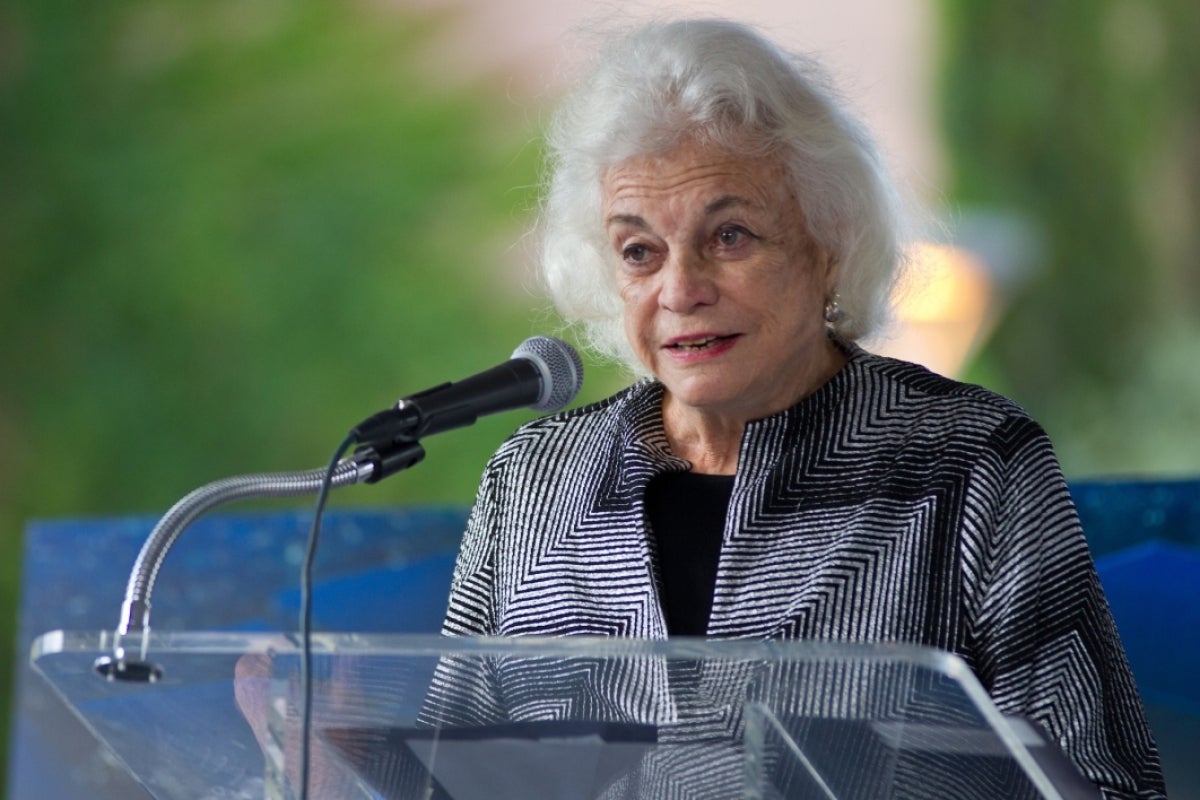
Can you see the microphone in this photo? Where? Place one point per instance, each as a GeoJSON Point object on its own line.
{"type": "Point", "coordinates": [544, 374]}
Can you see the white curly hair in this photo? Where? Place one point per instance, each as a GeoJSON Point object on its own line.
{"type": "Point", "coordinates": [724, 84]}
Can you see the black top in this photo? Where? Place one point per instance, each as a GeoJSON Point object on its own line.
{"type": "Point", "coordinates": [687, 511]}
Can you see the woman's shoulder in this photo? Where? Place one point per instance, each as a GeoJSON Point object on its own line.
{"type": "Point", "coordinates": [591, 425]}
{"type": "Point", "coordinates": [919, 404]}
{"type": "Point", "coordinates": [916, 384]}
{"type": "Point", "coordinates": [929, 416]}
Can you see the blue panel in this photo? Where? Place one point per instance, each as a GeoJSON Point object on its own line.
{"type": "Point", "coordinates": [1118, 514]}
{"type": "Point", "coordinates": [404, 599]}
{"type": "Point", "coordinates": [1154, 592]}
{"type": "Point", "coordinates": [381, 571]}
{"type": "Point", "coordinates": [388, 570]}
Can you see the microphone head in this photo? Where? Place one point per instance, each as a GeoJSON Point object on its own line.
{"type": "Point", "coordinates": [560, 368]}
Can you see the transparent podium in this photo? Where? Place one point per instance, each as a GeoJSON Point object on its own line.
{"type": "Point", "coordinates": [402, 716]}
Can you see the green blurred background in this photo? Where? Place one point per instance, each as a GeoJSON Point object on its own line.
{"type": "Point", "coordinates": [230, 230]}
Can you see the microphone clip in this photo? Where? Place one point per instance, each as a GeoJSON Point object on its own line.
{"type": "Point", "coordinates": [388, 456]}
{"type": "Point", "coordinates": [400, 423]}
{"type": "Point", "coordinates": [387, 441]}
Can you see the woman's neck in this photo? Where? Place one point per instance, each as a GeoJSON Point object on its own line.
{"type": "Point", "coordinates": [712, 439]}
{"type": "Point", "coordinates": [709, 442]}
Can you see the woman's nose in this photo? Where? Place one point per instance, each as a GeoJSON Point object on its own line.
{"type": "Point", "coordinates": [688, 282]}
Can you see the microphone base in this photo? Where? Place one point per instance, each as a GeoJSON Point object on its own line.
{"type": "Point", "coordinates": [119, 669]}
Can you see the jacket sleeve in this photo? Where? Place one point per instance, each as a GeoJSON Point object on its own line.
{"type": "Point", "coordinates": [471, 610]}
{"type": "Point", "coordinates": [1046, 644]}
{"type": "Point", "coordinates": [464, 690]}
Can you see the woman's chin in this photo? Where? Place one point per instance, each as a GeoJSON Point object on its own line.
{"type": "Point", "coordinates": [709, 395]}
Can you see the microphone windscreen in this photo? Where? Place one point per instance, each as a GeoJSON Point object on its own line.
{"type": "Point", "coordinates": [560, 367]}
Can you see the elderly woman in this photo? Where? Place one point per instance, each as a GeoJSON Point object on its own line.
{"type": "Point", "coordinates": [715, 219]}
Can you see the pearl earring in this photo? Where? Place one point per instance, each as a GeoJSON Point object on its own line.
{"type": "Point", "coordinates": [833, 311]}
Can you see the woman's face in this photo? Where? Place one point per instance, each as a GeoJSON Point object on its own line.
{"type": "Point", "coordinates": [724, 293]}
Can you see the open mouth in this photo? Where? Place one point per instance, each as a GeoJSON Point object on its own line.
{"type": "Point", "coordinates": [699, 343]}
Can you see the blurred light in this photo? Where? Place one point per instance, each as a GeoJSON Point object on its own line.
{"type": "Point", "coordinates": [945, 312]}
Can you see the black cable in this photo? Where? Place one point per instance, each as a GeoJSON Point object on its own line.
{"type": "Point", "coordinates": [310, 552]}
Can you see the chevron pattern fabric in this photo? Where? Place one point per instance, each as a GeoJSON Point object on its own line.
{"type": "Point", "coordinates": [892, 505]}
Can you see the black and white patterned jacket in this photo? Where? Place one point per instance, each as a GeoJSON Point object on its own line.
{"type": "Point", "coordinates": [892, 505]}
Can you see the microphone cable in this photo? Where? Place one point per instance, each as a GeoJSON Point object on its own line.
{"type": "Point", "coordinates": [306, 678]}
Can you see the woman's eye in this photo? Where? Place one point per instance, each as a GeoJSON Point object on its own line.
{"type": "Point", "coordinates": [636, 253]}
{"type": "Point", "coordinates": [730, 237]}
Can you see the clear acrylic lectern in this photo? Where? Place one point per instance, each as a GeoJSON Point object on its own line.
{"type": "Point", "coordinates": [402, 716]}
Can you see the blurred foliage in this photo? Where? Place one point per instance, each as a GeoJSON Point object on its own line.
{"type": "Point", "coordinates": [1082, 116]}
{"type": "Point", "coordinates": [230, 231]}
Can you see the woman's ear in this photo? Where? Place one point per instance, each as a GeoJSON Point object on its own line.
{"type": "Point", "coordinates": [828, 265]}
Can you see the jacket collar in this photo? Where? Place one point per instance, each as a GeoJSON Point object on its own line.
{"type": "Point", "coordinates": [645, 452]}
